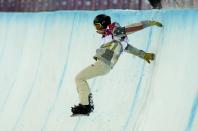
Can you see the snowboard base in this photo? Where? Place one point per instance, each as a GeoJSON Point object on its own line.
{"type": "Point", "coordinates": [74, 115]}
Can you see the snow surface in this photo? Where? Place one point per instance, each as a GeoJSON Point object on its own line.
{"type": "Point", "coordinates": [41, 53]}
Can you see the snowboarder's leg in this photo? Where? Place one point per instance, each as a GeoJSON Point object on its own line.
{"type": "Point", "coordinates": [97, 69]}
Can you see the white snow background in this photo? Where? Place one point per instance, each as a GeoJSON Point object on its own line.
{"type": "Point", "coordinates": [41, 53]}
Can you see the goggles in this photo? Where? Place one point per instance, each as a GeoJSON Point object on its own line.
{"type": "Point", "coordinates": [98, 26]}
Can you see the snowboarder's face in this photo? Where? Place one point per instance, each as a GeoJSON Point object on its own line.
{"type": "Point", "coordinates": [98, 26]}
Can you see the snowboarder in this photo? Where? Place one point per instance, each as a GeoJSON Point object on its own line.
{"type": "Point", "coordinates": [114, 43]}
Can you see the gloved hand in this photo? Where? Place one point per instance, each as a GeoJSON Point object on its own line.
{"type": "Point", "coordinates": [156, 23]}
{"type": "Point", "coordinates": [149, 57]}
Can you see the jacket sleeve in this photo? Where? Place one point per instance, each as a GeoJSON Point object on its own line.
{"type": "Point", "coordinates": [126, 30]}
{"type": "Point", "coordinates": [132, 50]}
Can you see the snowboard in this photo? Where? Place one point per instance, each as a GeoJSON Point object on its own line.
{"type": "Point", "coordinates": [75, 115]}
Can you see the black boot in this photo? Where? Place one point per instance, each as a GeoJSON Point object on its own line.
{"type": "Point", "coordinates": [83, 109]}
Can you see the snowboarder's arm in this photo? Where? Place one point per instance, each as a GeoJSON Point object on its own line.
{"type": "Point", "coordinates": [133, 28]}
{"type": "Point", "coordinates": [126, 30]}
{"type": "Point", "coordinates": [132, 50]}
{"type": "Point", "coordinates": [139, 26]}
{"type": "Point", "coordinates": [140, 53]}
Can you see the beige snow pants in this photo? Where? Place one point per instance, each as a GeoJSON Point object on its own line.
{"type": "Point", "coordinates": [99, 68]}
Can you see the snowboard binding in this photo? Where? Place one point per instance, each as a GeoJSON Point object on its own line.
{"type": "Point", "coordinates": [83, 109]}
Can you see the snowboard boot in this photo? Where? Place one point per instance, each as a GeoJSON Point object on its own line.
{"type": "Point", "coordinates": [149, 57]}
{"type": "Point", "coordinates": [83, 109]}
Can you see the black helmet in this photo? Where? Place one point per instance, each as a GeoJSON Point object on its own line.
{"type": "Point", "coordinates": [103, 19]}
